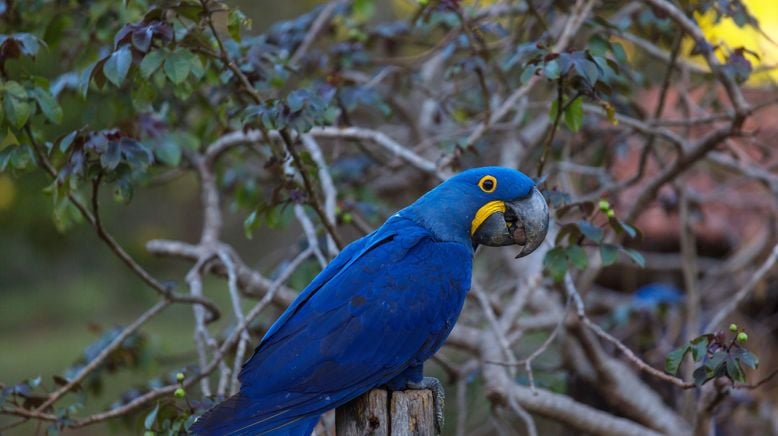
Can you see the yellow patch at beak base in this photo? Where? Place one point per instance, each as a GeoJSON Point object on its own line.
{"type": "Point", "coordinates": [485, 212]}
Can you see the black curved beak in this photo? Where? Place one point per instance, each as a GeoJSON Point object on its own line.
{"type": "Point", "coordinates": [524, 222]}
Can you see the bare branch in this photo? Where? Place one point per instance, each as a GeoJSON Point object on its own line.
{"type": "Point", "coordinates": [232, 281]}
{"type": "Point", "coordinates": [742, 293]}
{"type": "Point", "coordinates": [327, 187]}
{"type": "Point", "coordinates": [318, 25]}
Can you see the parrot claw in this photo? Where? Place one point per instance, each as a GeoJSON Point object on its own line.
{"type": "Point", "coordinates": [438, 395]}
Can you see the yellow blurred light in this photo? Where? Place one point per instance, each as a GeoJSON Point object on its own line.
{"type": "Point", "coordinates": [764, 43]}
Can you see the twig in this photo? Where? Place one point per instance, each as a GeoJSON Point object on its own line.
{"type": "Point", "coordinates": [740, 104]}
{"type": "Point", "coordinates": [232, 282]}
{"type": "Point", "coordinates": [543, 347]}
{"type": "Point", "coordinates": [384, 141]}
{"type": "Point", "coordinates": [759, 383]}
{"type": "Point", "coordinates": [313, 196]}
{"type": "Point", "coordinates": [486, 307]}
{"type": "Point", "coordinates": [104, 353]}
{"type": "Point", "coordinates": [629, 354]}
{"type": "Point", "coordinates": [742, 293]}
{"type": "Point", "coordinates": [224, 57]}
{"type": "Point", "coordinates": [235, 138]}
{"type": "Point", "coordinates": [251, 282]}
{"type": "Point", "coordinates": [316, 27]}
{"type": "Point", "coordinates": [201, 336]}
{"type": "Point", "coordinates": [327, 187]}
{"type": "Point", "coordinates": [118, 250]}
{"type": "Point", "coordinates": [310, 233]}
{"type": "Point", "coordinates": [580, 12]}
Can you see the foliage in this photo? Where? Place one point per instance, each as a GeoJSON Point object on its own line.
{"type": "Point", "coordinates": [717, 356]}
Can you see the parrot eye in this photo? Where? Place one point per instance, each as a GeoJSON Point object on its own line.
{"type": "Point", "coordinates": [487, 184]}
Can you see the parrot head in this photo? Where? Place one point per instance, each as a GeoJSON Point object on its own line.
{"type": "Point", "coordinates": [492, 206]}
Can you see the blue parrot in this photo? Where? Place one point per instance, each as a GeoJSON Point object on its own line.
{"type": "Point", "coordinates": [382, 307]}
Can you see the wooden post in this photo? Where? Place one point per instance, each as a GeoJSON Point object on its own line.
{"type": "Point", "coordinates": [382, 413]}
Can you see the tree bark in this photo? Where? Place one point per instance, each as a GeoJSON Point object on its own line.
{"type": "Point", "coordinates": [381, 413]}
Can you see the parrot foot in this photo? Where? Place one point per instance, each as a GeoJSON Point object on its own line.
{"type": "Point", "coordinates": [438, 395]}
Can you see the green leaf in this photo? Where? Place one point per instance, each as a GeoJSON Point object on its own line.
{"type": "Point", "coordinates": [748, 359]}
{"type": "Point", "coordinates": [30, 44]}
{"type": "Point", "coordinates": [577, 256]}
{"type": "Point", "coordinates": [169, 152]}
{"type": "Point", "coordinates": [734, 370]}
{"type": "Point", "coordinates": [636, 257]}
{"type": "Point", "coordinates": [84, 79]}
{"type": "Point", "coordinates": [674, 359]}
{"type": "Point", "coordinates": [631, 230]}
{"type": "Point", "coordinates": [118, 64]}
{"type": "Point", "coordinates": [296, 99]}
{"type": "Point", "coordinates": [48, 104]}
{"type": "Point", "coordinates": [556, 262]}
{"type": "Point", "coordinates": [700, 376]}
{"type": "Point", "coordinates": [598, 45]}
{"type": "Point", "coordinates": [197, 69]}
{"type": "Point", "coordinates": [5, 156]}
{"type": "Point", "coordinates": [151, 63]}
{"type": "Point", "coordinates": [151, 418]}
{"type": "Point", "coordinates": [235, 21]}
{"type": "Point", "coordinates": [34, 382]}
{"type": "Point", "coordinates": [177, 65]}
{"type": "Point", "coordinates": [527, 74]}
{"type": "Point", "coordinates": [716, 362]}
{"type": "Point", "coordinates": [588, 70]}
{"type": "Point", "coordinates": [619, 53]}
{"type": "Point", "coordinates": [608, 254]}
{"type": "Point", "coordinates": [9, 139]}
{"type": "Point", "coordinates": [111, 157]}
{"type": "Point", "coordinates": [592, 232]}
{"type": "Point", "coordinates": [250, 224]}
{"type": "Point", "coordinates": [551, 69]}
{"type": "Point", "coordinates": [122, 192]}
{"type": "Point", "coordinates": [16, 105]}
{"type": "Point", "coordinates": [574, 115]}
{"type": "Point", "coordinates": [65, 142]}
{"type": "Point", "coordinates": [699, 347]}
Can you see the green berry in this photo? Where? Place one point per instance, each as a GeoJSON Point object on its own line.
{"type": "Point", "coordinates": [180, 393]}
{"type": "Point", "coordinates": [604, 205]}
{"type": "Point", "coordinates": [733, 327]}
{"type": "Point", "coordinates": [742, 337]}
{"type": "Point", "coordinates": [180, 376]}
{"type": "Point", "coordinates": [611, 213]}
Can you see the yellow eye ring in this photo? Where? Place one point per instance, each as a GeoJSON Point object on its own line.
{"type": "Point", "coordinates": [487, 184]}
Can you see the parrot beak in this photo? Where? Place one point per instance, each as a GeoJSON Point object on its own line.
{"type": "Point", "coordinates": [523, 222]}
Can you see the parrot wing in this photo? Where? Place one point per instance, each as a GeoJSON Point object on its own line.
{"type": "Point", "coordinates": [386, 303]}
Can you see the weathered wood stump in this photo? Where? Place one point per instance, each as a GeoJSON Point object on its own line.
{"type": "Point", "coordinates": [382, 413]}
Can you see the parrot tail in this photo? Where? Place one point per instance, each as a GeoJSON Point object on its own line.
{"type": "Point", "coordinates": [232, 417]}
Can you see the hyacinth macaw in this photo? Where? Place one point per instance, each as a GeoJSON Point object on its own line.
{"type": "Point", "coordinates": [382, 307]}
